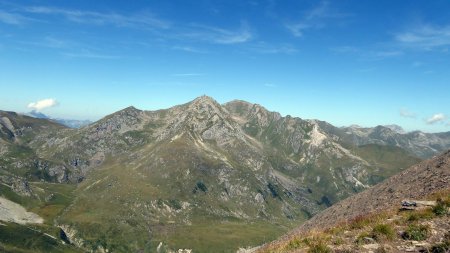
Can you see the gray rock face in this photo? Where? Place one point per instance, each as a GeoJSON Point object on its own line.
{"type": "Point", "coordinates": [17, 184]}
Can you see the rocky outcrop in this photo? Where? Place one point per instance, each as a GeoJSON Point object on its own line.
{"type": "Point", "coordinates": [17, 184]}
{"type": "Point", "coordinates": [71, 235]}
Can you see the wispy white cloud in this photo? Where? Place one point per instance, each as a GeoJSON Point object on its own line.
{"type": "Point", "coordinates": [298, 29]}
{"type": "Point", "coordinates": [436, 118]}
{"type": "Point", "coordinates": [51, 42]}
{"type": "Point", "coordinates": [147, 20]}
{"type": "Point", "coordinates": [140, 20]}
{"type": "Point", "coordinates": [42, 104]}
{"type": "Point", "coordinates": [419, 37]}
{"type": "Point", "coordinates": [189, 49]}
{"type": "Point", "coordinates": [345, 49]}
{"type": "Point", "coordinates": [406, 113]}
{"type": "Point", "coordinates": [316, 18]}
{"type": "Point", "coordinates": [384, 54]}
{"type": "Point", "coordinates": [424, 37]}
{"type": "Point", "coordinates": [11, 18]}
{"type": "Point", "coordinates": [217, 35]}
{"type": "Point", "coordinates": [368, 54]}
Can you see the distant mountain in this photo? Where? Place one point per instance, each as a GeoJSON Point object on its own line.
{"type": "Point", "coordinates": [38, 115]}
{"type": "Point", "coordinates": [417, 143]}
{"type": "Point", "coordinates": [160, 179]}
{"type": "Point", "coordinates": [420, 181]}
{"type": "Point", "coordinates": [72, 123]}
{"type": "Point", "coordinates": [396, 128]}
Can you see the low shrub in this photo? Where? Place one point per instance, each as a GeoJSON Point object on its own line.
{"type": "Point", "coordinates": [293, 244]}
{"type": "Point", "coordinates": [441, 208]}
{"type": "Point", "coordinates": [359, 222]}
{"type": "Point", "coordinates": [361, 238]}
{"type": "Point", "coordinates": [420, 215]}
{"type": "Point", "coordinates": [416, 232]}
{"type": "Point", "coordinates": [338, 241]}
{"type": "Point", "coordinates": [319, 247]}
{"type": "Point", "coordinates": [382, 232]}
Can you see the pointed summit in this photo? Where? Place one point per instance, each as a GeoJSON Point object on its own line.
{"type": "Point", "coordinates": [206, 106]}
{"type": "Point", "coordinates": [205, 100]}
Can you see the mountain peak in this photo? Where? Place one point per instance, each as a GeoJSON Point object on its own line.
{"type": "Point", "coordinates": [205, 105]}
{"type": "Point", "coordinates": [244, 108]}
{"type": "Point", "coordinates": [205, 100]}
{"type": "Point", "coordinates": [37, 114]}
{"type": "Point", "coordinates": [396, 128]}
{"type": "Point", "coordinates": [130, 109]}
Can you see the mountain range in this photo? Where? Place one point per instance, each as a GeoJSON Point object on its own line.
{"type": "Point", "coordinates": [72, 123]}
{"type": "Point", "coordinates": [201, 175]}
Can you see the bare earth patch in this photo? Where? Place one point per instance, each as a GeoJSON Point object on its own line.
{"type": "Point", "coordinates": [13, 212]}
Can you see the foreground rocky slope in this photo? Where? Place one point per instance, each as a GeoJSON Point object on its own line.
{"type": "Point", "coordinates": [160, 179]}
{"type": "Point", "coordinates": [378, 205]}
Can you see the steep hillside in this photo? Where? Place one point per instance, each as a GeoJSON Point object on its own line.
{"type": "Point", "coordinates": [416, 183]}
{"type": "Point", "coordinates": [19, 161]}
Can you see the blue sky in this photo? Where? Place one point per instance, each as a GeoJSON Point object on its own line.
{"type": "Point", "coordinates": [345, 62]}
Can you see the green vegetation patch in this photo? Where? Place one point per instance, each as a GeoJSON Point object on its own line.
{"type": "Point", "coordinates": [442, 207]}
{"type": "Point", "coordinates": [382, 232]}
{"type": "Point", "coordinates": [319, 247]}
{"type": "Point", "coordinates": [416, 232]}
{"type": "Point", "coordinates": [414, 216]}
{"type": "Point", "coordinates": [20, 238]}
{"type": "Point", "coordinates": [222, 237]}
